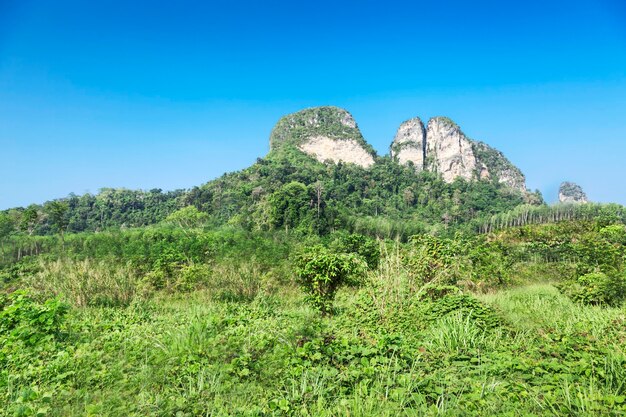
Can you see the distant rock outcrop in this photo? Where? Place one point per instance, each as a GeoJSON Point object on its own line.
{"type": "Point", "coordinates": [326, 133]}
{"type": "Point", "coordinates": [409, 144]}
{"type": "Point", "coordinates": [570, 192]}
{"type": "Point", "coordinates": [444, 148]}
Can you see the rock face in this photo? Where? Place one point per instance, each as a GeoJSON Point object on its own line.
{"type": "Point", "coordinates": [409, 144]}
{"type": "Point", "coordinates": [326, 133]}
{"type": "Point", "coordinates": [493, 163]}
{"type": "Point", "coordinates": [570, 192]}
{"type": "Point", "coordinates": [448, 151]}
{"type": "Point", "coordinates": [331, 134]}
{"type": "Point", "coordinates": [445, 149]}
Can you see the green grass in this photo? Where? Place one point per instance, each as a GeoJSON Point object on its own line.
{"type": "Point", "coordinates": [244, 343]}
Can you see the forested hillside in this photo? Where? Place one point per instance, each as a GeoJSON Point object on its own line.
{"type": "Point", "coordinates": [295, 187]}
{"type": "Point", "coordinates": [289, 190]}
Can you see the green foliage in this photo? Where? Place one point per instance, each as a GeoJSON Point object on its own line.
{"type": "Point", "coordinates": [489, 263]}
{"type": "Point", "coordinates": [28, 322]}
{"type": "Point", "coordinates": [290, 207]}
{"type": "Point", "coordinates": [188, 217]}
{"type": "Point", "coordinates": [388, 350]}
{"type": "Point", "coordinates": [58, 214]}
{"type": "Point", "coordinates": [30, 218]}
{"type": "Point", "coordinates": [432, 259]}
{"type": "Point", "coordinates": [524, 215]}
{"type": "Point", "coordinates": [466, 306]}
{"type": "Point", "coordinates": [596, 288]}
{"type": "Point", "coordinates": [614, 234]}
{"type": "Point", "coordinates": [6, 226]}
{"type": "Point", "coordinates": [366, 248]}
{"type": "Point", "coordinates": [321, 272]}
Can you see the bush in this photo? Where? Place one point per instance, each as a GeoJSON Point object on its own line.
{"type": "Point", "coordinates": [596, 288]}
{"type": "Point", "coordinates": [482, 315]}
{"type": "Point", "coordinates": [360, 245]}
{"type": "Point", "coordinates": [432, 259]}
{"type": "Point", "coordinates": [321, 272]}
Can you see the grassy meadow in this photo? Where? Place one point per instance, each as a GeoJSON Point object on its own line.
{"type": "Point", "coordinates": [215, 333]}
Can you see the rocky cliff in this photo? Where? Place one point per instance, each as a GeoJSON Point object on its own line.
{"type": "Point", "coordinates": [326, 133]}
{"type": "Point", "coordinates": [331, 134]}
{"type": "Point", "coordinates": [409, 144]}
{"type": "Point", "coordinates": [443, 148]}
{"type": "Point", "coordinates": [570, 192]}
{"type": "Point", "coordinates": [493, 163]}
{"type": "Point", "coordinates": [448, 151]}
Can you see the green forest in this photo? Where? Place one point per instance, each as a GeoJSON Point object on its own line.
{"type": "Point", "coordinates": [300, 288]}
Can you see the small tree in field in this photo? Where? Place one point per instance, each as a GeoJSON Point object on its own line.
{"type": "Point", "coordinates": [321, 273]}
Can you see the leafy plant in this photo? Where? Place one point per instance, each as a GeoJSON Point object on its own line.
{"type": "Point", "coordinates": [187, 218]}
{"type": "Point", "coordinates": [22, 318]}
{"type": "Point", "coordinates": [360, 245]}
{"type": "Point", "coordinates": [321, 272]}
{"type": "Point", "coordinates": [597, 288]}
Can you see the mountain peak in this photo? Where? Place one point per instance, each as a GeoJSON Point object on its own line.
{"type": "Point", "coordinates": [442, 147]}
{"type": "Point", "coordinates": [325, 133]}
{"type": "Point", "coordinates": [570, 192]}
{"type": "Point", "coordinates": [409, 144]}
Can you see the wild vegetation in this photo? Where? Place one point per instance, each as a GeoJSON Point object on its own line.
{"type": "Point", "coordinates": [295, 288]}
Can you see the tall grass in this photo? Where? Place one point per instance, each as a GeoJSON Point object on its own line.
{"type": "Point", "coordinates": [456, 333]}
{"type": "Point", "coordinates": [543, 307]}
{"type": "Point", "coordinates": [87, 282]}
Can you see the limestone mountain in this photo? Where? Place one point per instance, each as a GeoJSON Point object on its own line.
{"type": "Point", "coordinates": [448, 151]}
{"type": "Point", "coordinates": [409, 144]}
{"type": "Point", "coordinates": [326, 133]}
{"type": "Point", "coordinates": [331, 134]}
{"type": "Point", "coordinates": [570, 192]}
{"type": "Point", "coordinates": [443, 148]}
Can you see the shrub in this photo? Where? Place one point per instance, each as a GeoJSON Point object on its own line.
{"type": "Point", "coordinates": [188, 217]}
{"type": "Point", "coordinates": [190, 276]}
{"type": "Point", "coordinates": [321, 272]}
{"type": "Point", "coordinates": [596, 288]}
{"type": "Point", "coordinates": [432, 259]}
{"type": "Point", "coordinates": [482, 315]}
{"type": "Point", "coordinates": [361, 245]}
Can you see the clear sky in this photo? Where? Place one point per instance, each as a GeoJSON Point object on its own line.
{"type": "Point", "coordinates": [156, 94]}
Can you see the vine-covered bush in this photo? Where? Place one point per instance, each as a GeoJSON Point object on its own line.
{"type": "Point", "coordinates": [27, 322]}
{"type": "Point", "coordinates": [597, 288]}
{"type": "Point", "coordinates": [321, 272]}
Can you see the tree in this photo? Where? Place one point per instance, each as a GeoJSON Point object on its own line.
{"type": "Point", "coordinates": [57, 212]}
{"type": "Point", "coordinates": [188, 217]}
{"type": "Point", "coordinates": [30, 219]}
{"type": "Point", "coordinates": [7, 227]}
{"type": "Point", "coordinates": [290, 206]}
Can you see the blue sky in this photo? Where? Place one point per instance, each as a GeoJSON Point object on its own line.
{"type": "Point", "coordinates": [169, 95]}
